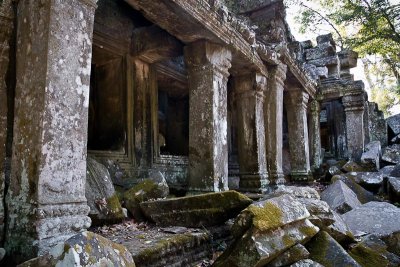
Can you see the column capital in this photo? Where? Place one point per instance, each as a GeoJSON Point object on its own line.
{"type": "Point", "coordinates": [203, 53]}
{"type": "Point", "coordinates": [315, 106]}
{"type": "Point", "coordinates": [298, 98]}
{"type": "Point", "coordinates": [250, 85]}
{"type": "Point", "coordinates": [278, 73]}
{"type": "Point", "coordinates": [353, 102]}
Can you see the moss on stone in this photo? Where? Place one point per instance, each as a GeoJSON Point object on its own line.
{"type": "Point", "coordinates": [368, 257]}
{"type": "Point", "coordinates": [308, 231]}
{"type": "Point", "coordinates": [288, 241]}
{"type": "Point", "coordinates": [267, 217]}
{"type": "Point", "coordinates": [114, 206]}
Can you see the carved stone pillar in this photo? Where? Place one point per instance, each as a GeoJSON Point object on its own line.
{"type": "Point", "coordinates": [208, 66]}
{"type": "Point", "coordinates": [296, 108]}
{"type": "Point", "coordinates": [354, 109]}
{"type": "Point", "coordinates": [46, 198]}
{"type": "Point", "coordinates": [6, 27]}
{"type": "Point", "coordinates": [315, 134]}
{"type": "Point", "coordinates": [250, 90]}
{"type": "Point", "coordinates": [273, 114]}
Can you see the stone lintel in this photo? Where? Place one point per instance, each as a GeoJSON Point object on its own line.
{"type": "Point", "coordinates": [153, 44]}
{"type": "Point", "coordinates": [208, 66]}
{"type": "Point", "coordinates": [354, 102]}
{"type": "Point", "coordinates": [204, 22]}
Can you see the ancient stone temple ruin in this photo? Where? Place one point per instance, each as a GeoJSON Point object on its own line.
{"type": "Point", "coordinates": [213, 95]}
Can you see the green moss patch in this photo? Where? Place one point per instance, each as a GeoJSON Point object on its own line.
{"type": "Point", "coordinates": [267, 217]}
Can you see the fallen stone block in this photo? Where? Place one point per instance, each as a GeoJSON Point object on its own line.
{"type": "Point", "coordinates": [332, 171]}
{"type": "Point", "coordinates": [372, 251]}
{"type": "Point", "coordinates": [196, 211]}
{"type": "Point", "coordinates": [321, 214]}
{"type": "Point", "coordinates": [385, 171]}
{"type": "Point", "coordinates": [393, 189]}
{"type": "Point", "coordinates": [298, 191]}
{"type": "Point", "coordinates": [258, 247]}
{"type": "Point", "coordinates": [363, 195]}
{"type": "Point", "coordinates": [372, 181]}
{"type": "Point", "coordinates": [85, 249]}
{"type": "Point", "coordinates": [396, 171]}
{"type": "Point", "coordinates": [372, 155]}
{"type": "Point", "coordinates": [391, 154]}
{"type": "Point", "coordinates": [351, 166]}
{"type": "Point", "coordinates": [292, 255]}
{"type": "Point", "coordinates": [326, 251]}
{"type": "Point", "coordinates": [152, 188]}
{"type": "Point", "coordinates": [378, 218]}
{"type": "Point", "coordinates": [393, 123]}
{"type": "Point", "coordinates": [340, 197]}
{"type": "Point", "coordinates": [306, 263]}
{"type": "Point", "coordinates": [269, 214]}
{"type": "Point", "coordinates": [102, 199]}
{"type": "Point", "coordinates": [340, 231]}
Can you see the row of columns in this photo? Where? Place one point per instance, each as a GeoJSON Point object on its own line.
{"type": "Point", "coordinates": [259, 118]}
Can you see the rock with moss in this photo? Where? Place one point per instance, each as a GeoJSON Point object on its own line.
{"type": "Point", "coordinates": [371, 252]}
{"type": "Point", "coordinates": [265, 230]}
{"type": "Point", "coordinates": [269, 214]}
{"type": "Point", "coordinates": [378, 218]}
{"type": "Point", "coordinates": [152, 188]}
{"type": "Point", "coordinates": [85, 249]}
{"type": "Point", "coordinates": [298, 191]}
{"type": "Point", "coordinates": [258, 247]}
{"type": "Point", "coordinates": [292, 255]}
{"type": "Point", "coordinates": [391, 154]}
{"type": "Point", "coordinates": [351, 166]}
{"type": "Point", "coordinates": [363, 195]}
{"type": "Point", "coordinates": [340, 231]}
{"type": "Point", "coordinates": [306, 263]}
{"type": "Point", "coordinates": [328, 252]}
{"type": "Point", "coordinates": [102, 199]}
{"type": "Point", "coordinates": [196, 211]}
{"type": "Point", "coordinates": [371, 181]}
{"type": "Point", "coordinates": [321, 214]}
{"type": "Point", "coordinates": [340, 197]}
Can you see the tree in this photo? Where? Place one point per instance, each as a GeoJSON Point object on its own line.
{"type": "Point", "coordinates": [370, 27]}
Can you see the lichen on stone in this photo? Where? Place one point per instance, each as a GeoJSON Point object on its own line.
{"type": "Point", "coordinates": [267, 217]}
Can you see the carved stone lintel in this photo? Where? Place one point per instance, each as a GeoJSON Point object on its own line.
{"type": "Point", "coordinates": [208, 66]}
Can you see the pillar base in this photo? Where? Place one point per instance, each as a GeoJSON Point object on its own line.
{"type": "Point", "coordinates": [302, 176]}
{"type": "Point", "coordinates": [277, 178]}
{"type": "Point", "coordinates": [254, 183]}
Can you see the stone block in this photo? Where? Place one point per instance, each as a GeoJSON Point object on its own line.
{"type": "Point", "coordinates": [149, 189]}
{"type": "Point", "coordinates": [378, 218]}
{"type": "Point", "coordinates": [85, 249]}
{"type": "Point", "coordinates": [298, 191]}
{"type": "Point", "coordinates": [363, 195]}
{"type": "Point", "coordinates": [340, 231]}
{"type": "Point", "coordinates": [321, 51]}
{"type": "Point", "coordinates": [325, 250]}
{"type": "Point", "coordinates": [102, 199]}
{"type": "Point", "coordinates": [352, 166]}
{"type": "Point", "coordinates": [393, 189]}
{"type": "Point", "coordinates": [391, 154]}
{"type": "Point", "coordinates": [324, 62]}
{"type": "Point", "coordinates": [393, 123]}
{"type": "Point", "coordinates": [292, 255]}
{"type": "Point", "coordinates": [340, 197]}
{"type": "Point", "coordinates": [321, 214]}
{"type": "Point", "coordinates": [258, 247]}
{"type": "Point", "coordinates": [196, 211]}
{"type": "Point", "coordinates": [348, 58]}
{"type": "Point", "coordinates": [325, 38]}
{"type": "Point", "coordinates": [372, 181]}
{"type": "Point", "coordinates": [372, 155]}
{"type": "Point", "coordinates": [371, 251]}
{"type": "Point", "coordinates": [306, 263]}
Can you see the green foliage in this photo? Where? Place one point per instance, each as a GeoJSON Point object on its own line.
{"type": "Point", "coordinates": [371, 28]}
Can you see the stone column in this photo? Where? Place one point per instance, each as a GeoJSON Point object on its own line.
{"type": "Point", "coordinates": [46, 198]}
{"type": "Point", "coordinates": [273, 114]}
{"type": "Point", "coordinates": [250, 90]}
{"type": "Point", "coordinates": [354, 109]}
{"type": "Point", "coordinates": [315, 134]}
{"type": "Point", "coordinates": [6, 27]}
{"type": "Point", "coordinates": [296, 107]}
{"type": "Point", "coordinates": [208, 66]}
